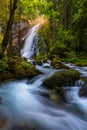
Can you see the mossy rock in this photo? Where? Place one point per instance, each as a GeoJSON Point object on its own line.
{"type": "Point", "coordinates": [57, 63]}
{"type": "Point", "coordinates": [41, 59]}
{"type": "Point", "coordinates": [16, 67]}
{"type": "Point", "coordinates": [62, 78]}
{"type": "Point", "coordinates": [6, 76]}
{"type": "Point", "coordinates": [25, 70]}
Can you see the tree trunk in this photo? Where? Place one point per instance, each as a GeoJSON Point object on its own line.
{"type": "Point", "coordinates": [9, 27]}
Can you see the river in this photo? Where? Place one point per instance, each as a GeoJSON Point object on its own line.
{"type": "Point", "coordinates": [28, 102]}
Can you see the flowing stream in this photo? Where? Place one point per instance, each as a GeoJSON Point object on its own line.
{"type": "Point", "coordinates": [29, 103]}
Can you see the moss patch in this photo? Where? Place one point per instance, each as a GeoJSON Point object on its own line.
{"type": "Point", "coordinates": [62, 78]}
{"type": "Point", "coordinates": [57, 63]}
{"type": "Point", "coordinates": [18, 68]}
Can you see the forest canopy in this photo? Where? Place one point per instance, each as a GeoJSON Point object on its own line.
{"type": "Point", "coordinates": [67, 24]}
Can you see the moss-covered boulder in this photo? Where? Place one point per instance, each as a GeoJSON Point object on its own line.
{"type": "Point", "coordinates": [18, 68]}
{"type": "Point", "coordinates": [40, 59]}
{"type": "Point", "coordinates": [57, 63]}
{"type": "Point", "coordinates": [25, 70]}
{"type": "Point", "coordinates": [62, 78]}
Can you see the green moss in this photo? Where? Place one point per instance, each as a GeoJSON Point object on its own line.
{"type": "Point", "coordinates": [3, 64]}
{"type": "Point", "coordinates": [26, 65]}
{"type": "Point", "coordinates": [15, 67]}
{"type": "Point", "coordinates": [57, 63]}
{"type": "Point", "coordinates": [24, 69]}
{"type": "Point", "coordinates": [77, 61]}
{"type": "Point", "coordinates": [62, 78]}
{"type": "Point", "coordinates": [41, 58]}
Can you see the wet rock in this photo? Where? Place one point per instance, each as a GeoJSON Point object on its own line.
{"type": "Point", "coordinates": [0, 100]}
{"type": "Point", "coordinates": [57, 96]}
{"type": "Point", "coordinates": [24, 126]}
{"type": "Point", "coordinates": [6, 76]}
{"type": "Point", "coordinates": [25, 70]}
{"type": "Point", "coordinates": [3, 124]}
{"type": "Point", "coordinates": [18, 68]}
{"type": "Point", "coordinates": [62, 78]}
{"type": "Point", "coordinates": [83, 89]}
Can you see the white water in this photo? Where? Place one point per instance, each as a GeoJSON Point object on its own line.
{"type": "Point", "coordinates": [30, 46]}
{"type": "Point", "coordinates": [28, 101]}
{"type": "Point", "coordinates": [81, 70]}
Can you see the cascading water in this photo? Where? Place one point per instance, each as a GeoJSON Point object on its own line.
{"type": "Point", "coordinates": [25, 102]}
{"type": "Point", "coordinates": [81, 70]}
{"type": "Point", "coordinates": [30, 48]}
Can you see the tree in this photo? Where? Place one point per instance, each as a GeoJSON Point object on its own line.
{"type": "Point", "coordinates": [9, 26]}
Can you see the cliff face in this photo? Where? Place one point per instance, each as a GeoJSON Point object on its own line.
{"type": "Point", "coordinates": [19, 31]}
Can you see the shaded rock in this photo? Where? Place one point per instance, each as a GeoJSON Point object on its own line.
{"type": "Point", "coordinates": [62, 78]}
{"type": "Point", "coordinates": [24, 126]}
{"type": "Point", "coordinates": [18, 68]}
{"type": "Point", "coordinates": [3, 124]}
{"type": "Point", "coordinates": [25, 70]}
{"type": "Point", "coordinates": [83, 89]}
{"type": "Point", "coordinates": [6, 75]}
{"type": "Point", "coordinates": [57, 96]}
{"type": "Point", "coordinates": [0, 100]}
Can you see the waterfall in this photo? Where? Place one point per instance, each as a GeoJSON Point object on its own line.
{"type": "Point", "coordinates": [30, 48]}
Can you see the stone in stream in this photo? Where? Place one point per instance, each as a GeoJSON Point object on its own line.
{"type": "Point", "coordinates": [3, 124]}
{"type": "Point", "coordinates": [83, 89]}
{"type": "Point", "coordinates": [62, 79]}
{"type": "Point", "coordinates": [0, 100]}
{"type": "Point", "coordinates": [24, 126]}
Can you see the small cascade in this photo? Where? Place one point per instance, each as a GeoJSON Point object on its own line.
{"type": "Point", "coordinates": [79, 83]}
{"type": "Point", "coordinates": [81, 70]}
{"type": "Point", "coordinates": [30, 48]}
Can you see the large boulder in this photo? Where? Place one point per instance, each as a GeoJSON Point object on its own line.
{"type": "Point", "coordinates": [63, 78]}
{"type": "Point", "coordinates": [17, 68]}
{"type": "Point", "coordinates": [25, 70]}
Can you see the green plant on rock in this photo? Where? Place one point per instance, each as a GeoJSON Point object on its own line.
{"type": "Point", "coordinates": [4, 64]}
{"type": "Point", "coordinates": [62, 78]}
{"type": "Point", "coordinates": [26, 65]}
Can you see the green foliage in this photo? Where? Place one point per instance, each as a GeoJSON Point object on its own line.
{"type": "Point", "coordinates": [59, 49]}
{"type": "Point", "coordinates": [1, 38]}
{"type": "Point", "coordinates": [27, 65]}
{"type": "Point", "coordinates": [79, 59]}
{"type": "Point", "coordinates": [4, 64]}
